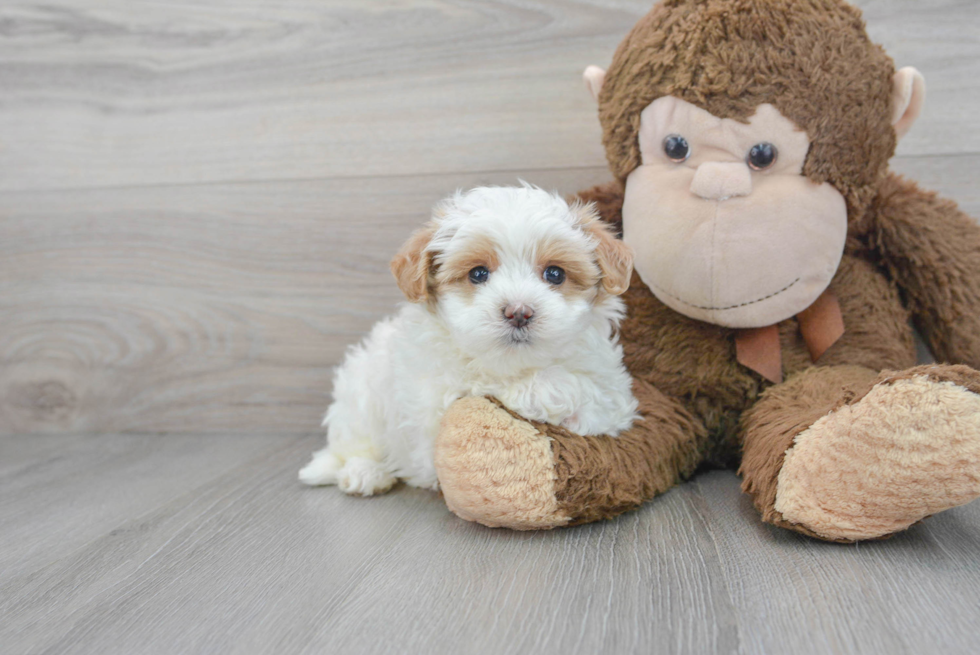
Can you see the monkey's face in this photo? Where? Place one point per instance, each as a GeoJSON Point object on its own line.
{"type": "Point", "coordinates": [725, 227]}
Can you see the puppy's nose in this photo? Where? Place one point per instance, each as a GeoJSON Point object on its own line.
{"type": "Point", "coordinates": [518, 314]}
{"type": "Point", "coordinates": [715, 180]}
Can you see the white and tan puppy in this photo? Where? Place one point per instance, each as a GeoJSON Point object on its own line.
{"type": "Point", "coordinates": [514, 294]}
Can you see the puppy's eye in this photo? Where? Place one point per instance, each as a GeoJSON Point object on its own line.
{"type": "Point", "coordinates": [554, 275]}
{"type": "Point", "coordinates": [676, 148]}
{"type": "Point", "coordinates": [762, 156]}
{"type": "Point", "coordinates": [479, 275]}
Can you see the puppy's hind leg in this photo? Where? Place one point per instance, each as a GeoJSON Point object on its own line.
{"type": "Point", "coordinates": [364, 476]}
{"type": "Point", "coordinates": [356, 475]}
{"type": "Point", "coordinates": [356, 421]}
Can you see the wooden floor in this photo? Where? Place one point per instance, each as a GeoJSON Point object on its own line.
{"type": "Point", "coordinates": [143, 544]}
{"type": "Point", "coordinates": [198, 201]}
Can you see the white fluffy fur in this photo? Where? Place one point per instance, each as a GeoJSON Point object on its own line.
{"type": "Point", "coordinates": [564, 368]}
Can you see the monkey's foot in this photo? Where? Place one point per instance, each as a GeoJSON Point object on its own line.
{"type": "Point", "coordinates": [496, 469]}
{"type": "Point", "coordinates": [907, 449]}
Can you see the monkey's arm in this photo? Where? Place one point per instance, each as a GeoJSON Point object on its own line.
{"type": "Point", "coordinates": [501, 470]}
{"type": "Point", "coordinates": [932, 251]}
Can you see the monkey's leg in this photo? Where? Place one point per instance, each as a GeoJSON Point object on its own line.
{"type": "Point", "coordinates": [502, 471]}
{"type": "Point", "coordinates": [932, 250]}
{"type": "Point", "coordinates": [843, 454]}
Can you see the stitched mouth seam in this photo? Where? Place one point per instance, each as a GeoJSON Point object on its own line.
{"type": "Point", "coordinates": [721, 309]}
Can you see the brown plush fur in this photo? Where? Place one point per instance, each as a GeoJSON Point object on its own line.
{"type": "Point", "coordinates": [909, 255]}
{"type": "Point", "coordinates": [599, 475]}
{"type": "Point", "coordinates": [814, 62]}
{"type": "Point", "coordinates": [811, 59]}
{"type": "Point", "coordinates": [932, 251]}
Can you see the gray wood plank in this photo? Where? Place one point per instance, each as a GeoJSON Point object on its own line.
{"type": "Point", "coordinates": [59, 492]}
{"type": "Point", "coordinates": [253, 562]}
{"type": "Point", "coordinates": [204, 288]}
{"type": "Point", "coordinates": [203, 308]}
{"type": "Point", "coordinates": [137, 92]}
{"type": "Point", "coordinates": [942, 39]}
{"type": "Point", "coordinates": [914, 593]}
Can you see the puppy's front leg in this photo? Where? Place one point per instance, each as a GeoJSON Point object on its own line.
{"type": "Point", "coordinates": [550, 396]}
{"type": "Point", "coordinates": [607, 407]}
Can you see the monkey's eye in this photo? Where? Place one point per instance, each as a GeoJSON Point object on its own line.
{"type": "Point", "coordinates": [762, 156]}
{"type": "Point", "coordinates": [554, 275]}
{"type": "Point", "coordinates": [676, 148]}
{"type": "Point", "coordinates": [479, 275]}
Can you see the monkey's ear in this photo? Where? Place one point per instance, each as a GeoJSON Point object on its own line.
{"type": "Point", "coordinates": [594, 77]}
{"type": "Point", "coordinates": [614, 257]}
{"type": "Point", "coordinates": [412, 264]}
{"type": "Point", "coordinates": [908, 95]}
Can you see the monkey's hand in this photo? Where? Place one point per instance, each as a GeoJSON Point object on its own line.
{"type": "Point", "coordinates": [932, 251]}
{"type": "Point", "coordinates": [501, 470]}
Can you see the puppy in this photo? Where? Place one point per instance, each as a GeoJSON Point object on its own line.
{"type": "Point", "coordinates": [514, 294]}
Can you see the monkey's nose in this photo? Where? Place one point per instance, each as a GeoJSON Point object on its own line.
{"type": "Point", "coordinates": [715, 180]}
{"type": "Point", "coordinates": [518, 314]}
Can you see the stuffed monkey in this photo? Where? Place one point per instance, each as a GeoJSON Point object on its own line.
{"type": "Point", "coordinates": [778, 263]}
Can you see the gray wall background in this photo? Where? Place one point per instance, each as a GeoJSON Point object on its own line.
{"type": "Point", "coordinates": [198, 200]}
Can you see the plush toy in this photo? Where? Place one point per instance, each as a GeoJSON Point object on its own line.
{"type": "Point", "coordinates": [778, 264]}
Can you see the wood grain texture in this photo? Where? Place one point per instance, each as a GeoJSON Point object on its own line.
{"type": "Point", "coordinates": [198, 201]}
{"type": "Point", "coordinates": [219, 308]}
{"type": "Point", "coordinates": [143, 92]}
{"type": "Point", "coordinates": [246, 560]}
{"type": "Point", "coordinates": [206, 308]}
{"type": "Point", "coordinates": [59, 492]}
{"type": "Point", "coordinates": [141, 291]}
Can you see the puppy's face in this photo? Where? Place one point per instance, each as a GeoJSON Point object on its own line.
{"type": "Point", "coordinates": [515, 273]}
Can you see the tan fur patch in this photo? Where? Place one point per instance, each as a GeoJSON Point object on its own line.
{"type": "Point", "coordinates": [581, 273]}
{"type": "Point", "coordinates": [907, 450]}
{"type": "Point", "coordinates": [454, 270]}
{"type": "Point", "coordinates": [479, 251]}
{"type": "Point", "coordinates": [412, 265]}
{"type": "Point", "coordinates": [495, 469]}
{"type": "Point", "coordinates": [613, 257]}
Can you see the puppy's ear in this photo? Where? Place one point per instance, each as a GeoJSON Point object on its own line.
{"type": "Point", "coordinates": [412, 264]}
{"type": "Point", "coordinates": [614, 257]}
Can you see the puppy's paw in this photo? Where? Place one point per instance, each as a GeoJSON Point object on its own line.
{"type": "Point", "coordinates": [589, 422]}
{"type": "Point", "coordinates": [549, 396]}
{"type": "Point", "coordinates": [572, 423]}
{"type": "Point", "coordinates": [322, 469]}
{"type": "Point", "coordinates": [364, 477]}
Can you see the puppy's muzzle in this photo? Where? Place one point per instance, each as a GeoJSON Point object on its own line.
{"type": "Point", "coordinates": [518, 315]}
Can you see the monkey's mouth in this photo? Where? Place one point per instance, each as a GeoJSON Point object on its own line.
{"type": "Point", "coordinates": [728, 307]}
